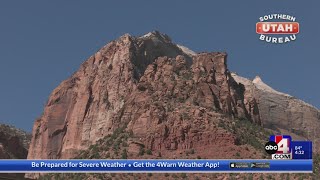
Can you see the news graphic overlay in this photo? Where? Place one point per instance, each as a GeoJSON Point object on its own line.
{"type": "Point", "coordinates": [288, 156]}
{"type": "Point", "coordinates": [284, 150]}
{"type": "Point", "coordinates": [277, 28]}
{"type": "Point", "coordinates": [156, 165]}
{"type": "Point", "coordinates": [283, 147]}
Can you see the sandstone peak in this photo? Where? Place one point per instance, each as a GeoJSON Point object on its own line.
{"type": "Point", "coordinates": [157, 35]}
{"type": "Point", "coordinates": [125, 37]}
{"type": "Point", "coordinates": [162, 37]}
{"type": "Point", "coordinates": [257, 79]}
{"type": "Point", "coordinates": [263, 86]}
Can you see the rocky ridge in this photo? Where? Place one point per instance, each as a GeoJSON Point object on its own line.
{"type": "Point", "coordinates": [281, 112]}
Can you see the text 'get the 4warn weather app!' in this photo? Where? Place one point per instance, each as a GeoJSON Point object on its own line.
{"type": "Point", "coordinates": [277, 28]}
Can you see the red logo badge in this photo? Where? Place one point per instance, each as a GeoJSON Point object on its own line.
{"type": "Point", "coordinates": [277, 28]}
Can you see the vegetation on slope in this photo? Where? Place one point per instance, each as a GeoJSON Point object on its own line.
{"type": "Point", "coordinates": [114, 146]}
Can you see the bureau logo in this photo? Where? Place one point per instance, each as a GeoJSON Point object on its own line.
{"type": "Point", "coordinates": [277, 28]}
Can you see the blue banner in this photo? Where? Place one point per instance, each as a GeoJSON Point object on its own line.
{"type": "Point", "coordinates": [163, 165]}
{"type": "Point", "coordinates": [301, 149]}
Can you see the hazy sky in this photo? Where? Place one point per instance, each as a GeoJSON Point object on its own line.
{"type": "Point", "coordinates": [44, 42]}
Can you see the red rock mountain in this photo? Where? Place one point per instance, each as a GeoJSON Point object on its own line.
{"type": "Point", "coordinates": [112, 86]}
{"type": "Point", "coordinates": [167, 95]}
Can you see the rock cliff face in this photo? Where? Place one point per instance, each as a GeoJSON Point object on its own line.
{"type": "Point", "coordinates": [117, 85]}
{"type": "Point", "coordinates": [282, 112]}
{"type": "Point", "coordinates": [176, 107]}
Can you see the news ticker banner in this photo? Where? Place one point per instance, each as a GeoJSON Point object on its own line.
{"type": "Point", "coordinates": [157, 166]}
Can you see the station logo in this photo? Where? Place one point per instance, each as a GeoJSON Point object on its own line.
{"type": "Point", "coordinates": [279, 147]}
{"type": "Point", "coordinates": [277, 28]}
